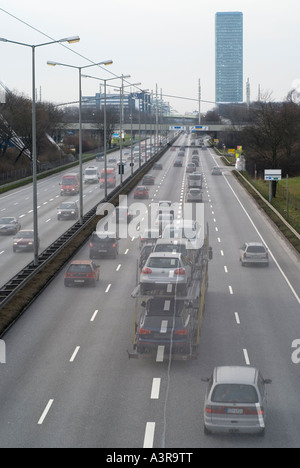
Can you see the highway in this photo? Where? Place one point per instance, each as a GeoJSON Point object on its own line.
{"type": "Point", "coordinates": [68, 381]}
{"type": "Point", "coordinates": [18, 203]}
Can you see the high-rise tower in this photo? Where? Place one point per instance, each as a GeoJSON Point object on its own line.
{"type": "Point", "coordinates": [229, 57]}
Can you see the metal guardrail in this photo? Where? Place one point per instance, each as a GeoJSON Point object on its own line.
{"type": "Point", "coordinates": [21, 279]}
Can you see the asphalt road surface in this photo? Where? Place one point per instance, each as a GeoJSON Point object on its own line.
{"type": "Point", "coordinates": [68, 382]}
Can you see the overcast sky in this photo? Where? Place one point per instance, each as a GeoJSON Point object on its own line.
{"type": "Point", "coordinates": [170, 43]}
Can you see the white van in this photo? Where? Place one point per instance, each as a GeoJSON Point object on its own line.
{"type": "Point", "coordinates": [91, 175]}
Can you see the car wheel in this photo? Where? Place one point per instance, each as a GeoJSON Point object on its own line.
{"type": "Point", "coordinates": [206, 431]}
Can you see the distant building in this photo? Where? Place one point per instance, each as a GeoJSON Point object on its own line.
{"type": "Point", "coordinates": [229, 57]}
{"type": "Point", "coordinates": [133, 101]}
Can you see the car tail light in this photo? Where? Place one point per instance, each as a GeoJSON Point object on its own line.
{"type": "Point", "coordinates": [114, 246]}
{"type": "Point", "coordinates": [147, 271]}
{"type": "Point", "coordinates": [215, 409]}
{"type": "Point", "coordinates": [179, 272]}
{"type": "Point", "coordinates": [143, 331]}
{"type": "Point", "coordinates": [267, 255]}
{"type": "Point", "coordinates": [182, 332]}
{"type": "Point", "coordinates": [254, 411]}
{"type": "Point", "coordinates": [91, 244]}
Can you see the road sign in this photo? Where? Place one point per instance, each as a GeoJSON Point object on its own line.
{"type": "Point", "coordinates": [273, 174]}
{"type": "Point", "coordinates": [198, 127]}
{"type": "Point", "coordinates": [177, 127]}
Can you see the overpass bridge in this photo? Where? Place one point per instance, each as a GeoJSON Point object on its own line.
{"type": "Point", "coordinates": [210, 128]}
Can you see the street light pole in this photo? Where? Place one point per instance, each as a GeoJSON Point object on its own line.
{"type": "Point", "coordinates": [106, 62]}
{"type": "Point", "coordinates": [70, 40]}
{"type": "Point", "coordinates": [105, 124]}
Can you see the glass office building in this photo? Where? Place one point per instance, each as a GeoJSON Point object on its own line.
{"type": "Point", "coordinates": [229, 57]}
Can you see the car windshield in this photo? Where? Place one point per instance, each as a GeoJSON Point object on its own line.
{"type": "Point", "coordinates": [234, 393]}
{"type": "Point", "coordinates": [67, 206]}
{"type": "Point", "coordinates": [7, 220]}
{"type": "Point", "coordinates": [90, 172]}
{"type": "Point", "coordinates": [195, 192]}
{"type": "Point", "coordinates": [68, 181]}
{"type": "Point", "coordinates": [25, 234]}
{"type": "Point", "coordinates": [80, 268]}
{"type": "Point", "coordinates": [163, 262]}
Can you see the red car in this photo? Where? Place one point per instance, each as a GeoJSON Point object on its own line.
{"type": "Point", "coordinates": [24, 240]}
{"type": "Point", "coordinates": [81, 272]}
{"type": "Point", "coordinates": [141, 192]}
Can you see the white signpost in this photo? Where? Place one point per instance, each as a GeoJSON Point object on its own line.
{"type": "Point", "coordinates": [271, 175]}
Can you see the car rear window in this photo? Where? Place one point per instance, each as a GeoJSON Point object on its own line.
{"type": "Point", "coordinates": [234, 393]}
{"type": "Point", "coordinates": [163, 262]}
{"type": "Point", "coordinates": [256, 249]}
{"type": "Point", "coordinates": [80, 269]}
{"type": "Point", "coordinates": [179, 248]}
{"type": "Point", "coordinates": [98, 238]}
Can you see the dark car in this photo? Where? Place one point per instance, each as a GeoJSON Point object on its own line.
{"type": "Point", "coordinates": [67, 210]}
{"type": "Point", "coordinates": [9, 225]}
{"type": "Point", "coordinates": [24, 240]}
{"type": "Point", "coordinates": [103, 244]}
{"type": "Point", "coordinates": [216, 170]}
{"type": "Point", "coordinates": [178, 163]}
{"type": "Point", "coordinates": [82, 272]}
{"type": "Point", "coordinates": [165, 323]}
{"type": "Point", "coordinates": [158, 166]}
{"type": "Point", "coordinates": [148, 180]}
{"type": "Point", "coordinates": [146, 250]}
{"type": "Point", "coordinates": [141, 192]}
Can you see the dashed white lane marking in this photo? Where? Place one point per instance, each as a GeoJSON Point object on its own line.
{"type": "Point", "coordinates": [94, 315]}
{"type": "Point", "coordinates": [237, 318]}
{"type": "Point", "coordinates": [75, 354]}
{"type": "Point", "coordinates": [246, 356]}
{"type": "Point", "coordinates": [155, 389]}
{"type": "Point", "coordinates": [149, 435]}
{"type": "Point", "coordinates": [160, 354]}
{"type": "Point", "coordinates": [45, 412]}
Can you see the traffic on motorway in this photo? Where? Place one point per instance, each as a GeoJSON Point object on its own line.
{"type": "Point", "coordinates": [165, 329]}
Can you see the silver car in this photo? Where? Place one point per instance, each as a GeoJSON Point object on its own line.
{"type": "Point", "coordinates": [235, 401]}
{"type": "Point", "coordinates": [9, 225]}
{"type": "Point", "coordinates": [194, 195]}
{"type": "Point", "coordinates": [167, 272]}
{"type": "Point", "coordinates": [254, 252]}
